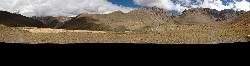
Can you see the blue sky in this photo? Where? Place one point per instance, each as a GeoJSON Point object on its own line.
{"type": "Point", "coordinates": [127, 3]}
{"type": "Point", "coordinates": [130, 3]}
{"type": "Point", "coordinates": [64, 7]}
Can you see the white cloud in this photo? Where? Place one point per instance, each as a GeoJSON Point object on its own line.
{"type": "Point", "coordinates": [181, 5]}
{"type": "Point", "coordinates": [60, 7]}
{"type": "Point", "coordinates": [243, 5]}
{"type": "Point", "coordinates": [75, 7]}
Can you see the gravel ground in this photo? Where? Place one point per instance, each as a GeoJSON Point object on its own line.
{"type": "Point", "coordinates": [175, 35]}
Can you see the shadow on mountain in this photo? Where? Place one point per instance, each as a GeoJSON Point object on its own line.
{"type": "Point", "coordinates": [16, 20]}
{"type": "Point", "coordinates": [53, 22]}
{"type": "Point", "coordinates": [83, 23]}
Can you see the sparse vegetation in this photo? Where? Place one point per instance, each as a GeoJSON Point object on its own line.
{"type": "Point", "coordinates": [120, 29]}
{"type": "Point", "coordinates": [147, 26]}
{"type": "Point", "coordinates": [181, 34]}
{"type": "Point", "coordinates": [109, 30]}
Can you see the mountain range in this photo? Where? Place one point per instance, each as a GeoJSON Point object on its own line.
{"type": "Point", "coordinates": [143, 25]}
{"type": "Point", "coordinates": [134, 20]}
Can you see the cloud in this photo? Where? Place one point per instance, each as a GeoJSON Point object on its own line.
{"type": "Point", "coordinates": [60, 7]}
{"type": "Point", "coordinates": [243, 5]}
{"type": "Point", "coordinates": [181, 5]}
{"type": "Point", "coordinates": [146, 2]}
{"type": "Point", "coordinates": [75, 7]}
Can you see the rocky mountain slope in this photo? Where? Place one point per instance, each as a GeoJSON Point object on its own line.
{"type": "Point", "coordinates": [53, 22]}
{"type": "Point", "coordinates": [242, 21]}
{"type": "Point", "coordinates": [207, 16]}
{"type": "Point", "coordinates": [134, 20]}
{"type": "Point", "coordinates": [154, 17]}
{"type": "Point", "coordinates": [195, 16]}
{"type": "Point", "coordinates": [83, 23]}
{"type": "Point", "coordinates": [17, 20]}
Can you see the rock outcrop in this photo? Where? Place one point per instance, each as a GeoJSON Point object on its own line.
{"type": "Point", "coordinates": [195, 16]}
{"type": "Point", "coordinates": [227, 15]}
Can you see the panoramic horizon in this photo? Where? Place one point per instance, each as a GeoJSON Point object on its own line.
{"type": "Point", "coordinates": [75, 7]}
{"type": "Point", "coordinates": [124, 21]}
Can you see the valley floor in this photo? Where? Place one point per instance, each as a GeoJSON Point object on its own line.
{"type": "Point", "coordinates": [169, 35]}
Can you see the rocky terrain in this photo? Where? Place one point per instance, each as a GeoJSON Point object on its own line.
{"type": "Point", "coordinates": [207, 16]}
{"type": "Point", "coordinates": [242, 21]}
{"type": "Point", "coordinates": [144, 25]}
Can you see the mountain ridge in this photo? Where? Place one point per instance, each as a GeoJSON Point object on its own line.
{"type": "Point", "coordinates": [18, 20]}
{"type": "Point", "coordinates": [133, 20]}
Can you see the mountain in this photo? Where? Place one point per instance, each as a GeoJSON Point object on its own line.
{"type": "Point", "coordinates": [227, 15]}
{"type": "Point", "coordinates": [207, 16]}
{"type": "Point", "coordinates": [242, 21]}
{"type": "Point", "coordinates": [83, 23]}
{"type": "Point", "coordinates": [195, 16]}
{"type": "Point", "coordinates": [154, 17]}
{"type": "Point", "coordinates": [134, 20]}
{"type": "Point", "coordinates": [17, 20]}
{"type": "Point", "coordinates": [53, 22]}
{"type": "Point", "coordinates": [138, 19]}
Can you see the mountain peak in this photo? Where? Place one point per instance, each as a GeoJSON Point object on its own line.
{"type": "Point", "coordinates": [152, 11]}
{"type": "Point", "coordinates": [198, 11]}
{"type": "Point", "coordinates": [226, 15]}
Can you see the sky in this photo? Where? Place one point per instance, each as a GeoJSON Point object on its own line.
{"type": "Point", "coordinates": [75, 7]}
{"type": "Point", "coordinates": [126, 3]}
{"type": "Point", "coordinates": [130, 3]}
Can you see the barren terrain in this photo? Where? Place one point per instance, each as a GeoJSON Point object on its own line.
{"type": "Point", "coordinates": [172, 35]}
{"type": "Point", "coordinates": [145, 25]}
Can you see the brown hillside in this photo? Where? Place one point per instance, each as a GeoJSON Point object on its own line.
{"type": "Point", "coordinates": [134, 20]}
{"type": "Point", "coordinates": [243, 20]}
{"type": "Point", "coordinates": [83, 23]}
{"type": "Point", "coordinates": [17, 20]}
{"type": "Point", "coordinates": [53, 22]}
{"type": "Point", "coordinates": [207, 16]}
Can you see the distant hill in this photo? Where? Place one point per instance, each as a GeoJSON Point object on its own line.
{"type": "Point", "coordinates": [17, 20]}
